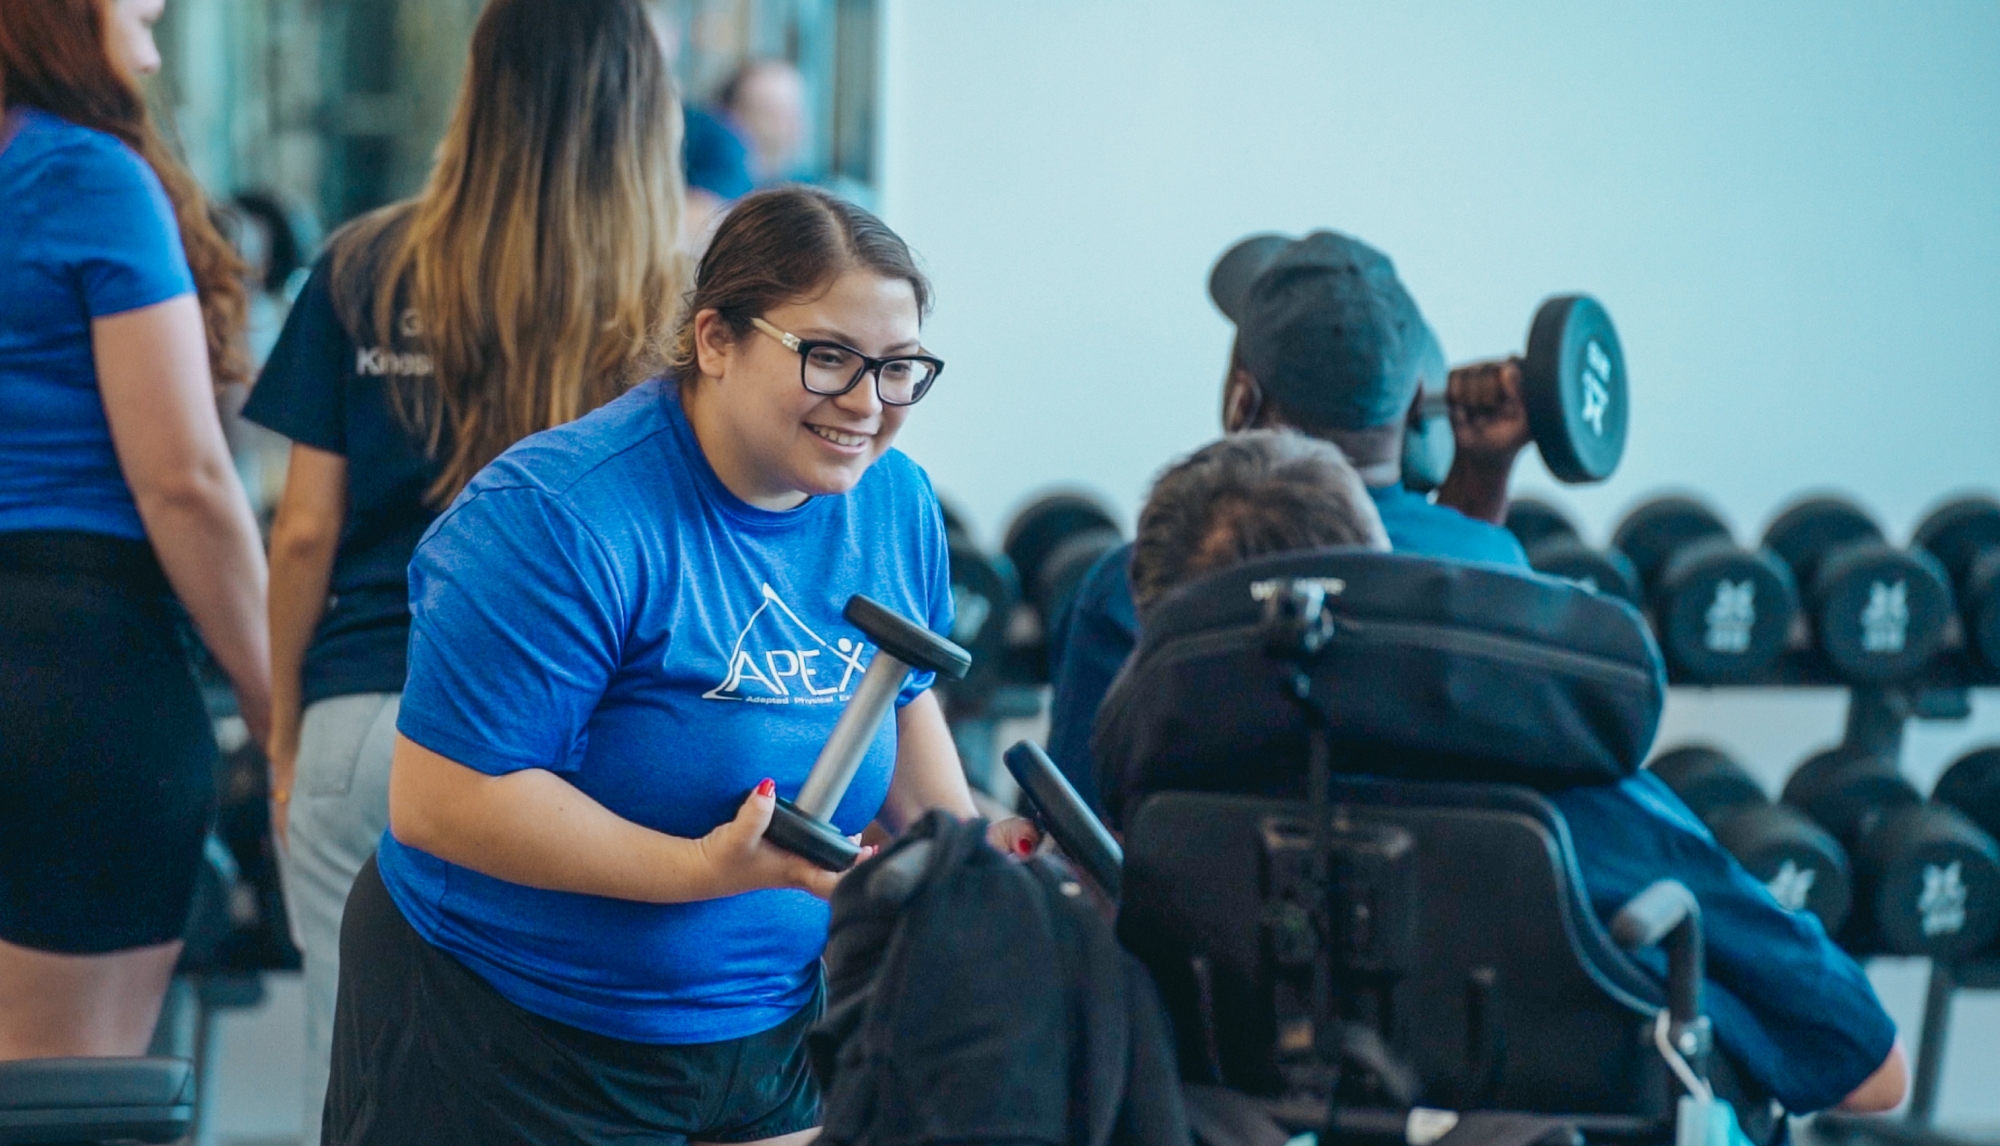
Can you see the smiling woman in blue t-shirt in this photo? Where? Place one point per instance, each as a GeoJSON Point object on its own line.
{"type": "Point", "coordinates": [573, 927]}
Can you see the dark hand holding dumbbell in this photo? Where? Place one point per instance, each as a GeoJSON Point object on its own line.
{"type": "Point", "coordinates": [1567, 394]}
{"type": "Point", "coordinates": [803, 826]}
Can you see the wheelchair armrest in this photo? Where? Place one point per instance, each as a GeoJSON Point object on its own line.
{"type": "Point", "coordinates": [1667, 915]}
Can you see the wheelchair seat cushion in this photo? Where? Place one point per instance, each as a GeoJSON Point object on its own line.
{"type": "Point", "coordinates": [1436, 670]}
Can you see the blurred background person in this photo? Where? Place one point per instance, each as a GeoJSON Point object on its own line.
{"type": "Point", "coordinates": [532, 280]}
{"type": "Point", "coordinates": [121, 311]}
{"type": "Point", "coordinates": [765, 102]}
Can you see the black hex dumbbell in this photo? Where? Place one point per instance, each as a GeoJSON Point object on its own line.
{"type": "Point", "coordinates": [1964, 535]}
{"type": "Point", "coordinates": [1052, 543]}
{"type": "Point", "coordinates": [1556, 548]}
{"type": "Point", "coordinates": [1927, 879]}
{"type": "Point", "coordinates": [1804, 867]}
{"type": "Point", "coordinates": [1879, 613]}
{"type": "Point", "coordinates": [1722, 613]}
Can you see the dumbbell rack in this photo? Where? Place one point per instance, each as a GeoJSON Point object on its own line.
{"type": "Point", "coordinates": [1876, 719]}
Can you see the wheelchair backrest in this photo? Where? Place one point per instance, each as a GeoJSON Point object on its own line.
{"type": "Point", "coordinates": [1457, 927]}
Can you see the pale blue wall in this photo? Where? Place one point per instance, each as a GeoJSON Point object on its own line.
{"type": "Point", "coordinates": [1792, 211]}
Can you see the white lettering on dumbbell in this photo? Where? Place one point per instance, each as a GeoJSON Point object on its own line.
{"type": "Point", "coordinates": [1730, 617]}
{"type": "Point", "coordinates": [1942, 904]}
{"type": "Point", "coordinates": [1596, 386]}
{"type": "Point", "coordinates": [1792, 886]}
{"type": "Point", "coordinates": [1262, 590]}
{"type": "Point", "coordinates": [1885, 620]}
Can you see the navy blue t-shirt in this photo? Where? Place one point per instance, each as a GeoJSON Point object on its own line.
{"type": "Point", "coordinates": [1101, 627]}
{"type": "Point", "coordinates": [89, 233]}
{"type": "Point", "coordinates": [598, 604]}
{"type": "Point", "coordinates": [325, 388]}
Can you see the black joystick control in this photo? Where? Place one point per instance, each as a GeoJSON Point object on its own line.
{"type": "Point", "coordinates": [803, 826]}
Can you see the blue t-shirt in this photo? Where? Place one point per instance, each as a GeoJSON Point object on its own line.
{"type": "Point", "coordinates": [89, 232]}
{"type": "Point", "coordinates": [1101, 627]}
{"type": "Point", "coordinates": [597, 604]}
{"type": "Point", "coordinates": [1794, 1011]}
{"type": "Point", "coordinates": [713, 157]}
{"type": "Point", "coordinates": [325, 387]}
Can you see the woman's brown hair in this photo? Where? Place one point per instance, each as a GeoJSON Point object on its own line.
{"type": "Point", "coordinates": [780, 246]}
{"type": "Point", "coordinates": [54, 56]}
{"type": "Point", "coordinates": [540, 260]}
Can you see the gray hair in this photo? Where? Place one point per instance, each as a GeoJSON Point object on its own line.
{"type": "Point", "coordinates": [1243, 496]}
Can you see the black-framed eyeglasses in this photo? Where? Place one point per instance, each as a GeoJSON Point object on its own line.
{"type": "Point", "coordinates": [831, 369]}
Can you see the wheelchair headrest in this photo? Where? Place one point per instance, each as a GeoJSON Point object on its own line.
{"type": "Point", "coordinates": [1434, 670]}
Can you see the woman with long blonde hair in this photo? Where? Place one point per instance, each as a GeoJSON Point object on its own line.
{"type": "Point", "coordinates": [121, 309]}
{"type": "Point", "coordinates": [530, 282]}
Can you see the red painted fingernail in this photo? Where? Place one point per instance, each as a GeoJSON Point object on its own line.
{"type": "Point", "coordinates": [768, 788]}
{"type": "Point", "coordinates": [1023, 846]}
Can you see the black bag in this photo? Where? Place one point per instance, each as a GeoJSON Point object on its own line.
{"type": "Point", "coordinates": [976, 998]}
{"type": "Point", "coordinates": [1435, 670]}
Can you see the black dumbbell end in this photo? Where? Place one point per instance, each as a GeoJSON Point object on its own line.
{"type": "Point", "coordinates": [814, 840]}
{"type": "Point", "coordinates": [1658, 528]}
{"type": "Point", "coordinates": [1706, 779]}
{"type": "Point", "coordinates": [1078, 831]}
{"type": "Point", "coordinates": [906, 640]}
{"type": "Point", "coordinates": [1532, 520]}
{"type": "Point", "coordinates": [1574, 389]}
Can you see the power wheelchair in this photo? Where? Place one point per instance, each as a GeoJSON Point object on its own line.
{"type": "Point", "coordinates": [1363, 918]}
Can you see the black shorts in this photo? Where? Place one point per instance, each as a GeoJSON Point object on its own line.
{"type": "Point", "coordinates": [424, 1050]}
{"type": "Point", "coordinates": [107, 757]}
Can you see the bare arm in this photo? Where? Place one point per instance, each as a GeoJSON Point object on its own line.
{"type": "Point", "coordinates": [304, 538]}
{"type": "Point", "coordinates": [152, 369]}
{"type": "Point", "coordinates": [1489, 425]}
{"type": "Point", "coordinates": [1885, 1089]}
{"type": "Point", "coordinates": [536, 829]}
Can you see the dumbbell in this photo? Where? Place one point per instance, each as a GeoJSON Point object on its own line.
{"type": "Point", "coordinates": [1964, 535]}
{"type": "Point", "coordinates": [1722, 613]}
{"type": "Point", "coordinates": [1554, 547]}
{"type": "Point", "coordinates": [802, 825]}
{"type": "Point", "coordinates": [1052, 543]}
{"type": "Point", "coordinates": [1573, 388]}
{"type": "Point", "coordinates": [1927, 879]}
{"type": "Point", "coordinates": [1804, 867]}
{"type": "Point", "coordinates": [1879, 613]}
{"type": "Point", "coordinates": [1972, 785]}
{"type": "Point", "coordinates": [984, 592]}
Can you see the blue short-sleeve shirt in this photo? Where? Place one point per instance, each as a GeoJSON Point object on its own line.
{"type": "Point", "coordinates": [90, 233]}
{"type": "Point", "coordinates": [597, 604]}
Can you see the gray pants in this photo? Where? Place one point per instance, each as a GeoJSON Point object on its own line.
{"type": "Point", "coordinates": [340, 806]}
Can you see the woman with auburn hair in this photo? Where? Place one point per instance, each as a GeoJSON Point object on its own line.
{"type": "Point", "coordinates": [531, 280]}
{"type": "Point", "coordinates": [120, 312]}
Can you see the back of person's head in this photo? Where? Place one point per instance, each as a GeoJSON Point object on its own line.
{"type": "Point", "coordinates": [55, 55]}
{"type": "Point", "coordinates": [766, 98]}
{"type": "Point", "coordinates": [781, 246]}
{"type": "Point", "coordinates": [540, 258]}
{"type": "Point", "coordinates": [1325, 327]}
{"type": "Point", "coordinates": [1243, 496]}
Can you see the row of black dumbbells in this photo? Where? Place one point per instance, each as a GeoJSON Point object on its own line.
{"type": "Point", "coordinates": [1853, 842]}
{"type": "Point", "coordinates": [1824, 596]}
{"type": "Point", "coordinates": [1008, 602]}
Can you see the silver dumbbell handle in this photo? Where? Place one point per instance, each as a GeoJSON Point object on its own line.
{"type": "Point", "coordinates": [840, 759]}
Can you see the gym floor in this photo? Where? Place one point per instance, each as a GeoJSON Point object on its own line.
{"type": "Point", "coordinates": [257, 1054]}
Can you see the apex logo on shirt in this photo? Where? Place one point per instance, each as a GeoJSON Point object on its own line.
{"type": "Point", "coordinates": [779, 659]}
